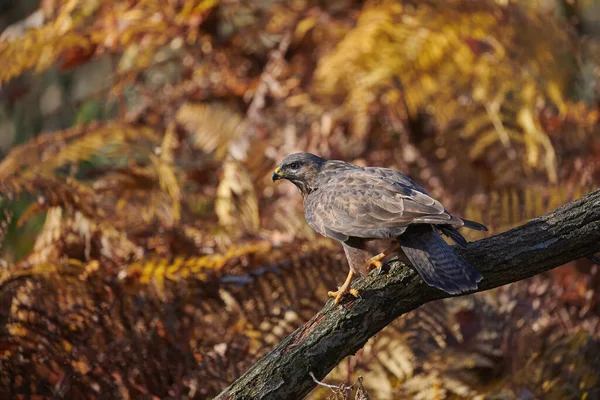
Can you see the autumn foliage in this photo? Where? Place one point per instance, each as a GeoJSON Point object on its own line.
{"type": "Point", "coordinates": [165, 261]}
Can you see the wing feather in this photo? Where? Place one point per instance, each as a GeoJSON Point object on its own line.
{"type": "Point", "coordinates": [369, 203]}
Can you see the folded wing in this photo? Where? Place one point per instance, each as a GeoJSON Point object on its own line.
{"type": "Point", "coordinates": [375, 203]}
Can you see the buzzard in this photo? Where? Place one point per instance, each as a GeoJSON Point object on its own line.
{"type": "Point", "coordinates": [355, 205]}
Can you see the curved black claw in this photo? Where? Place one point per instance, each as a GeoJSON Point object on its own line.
{"type": "Point", "coordinates": [385, 268]}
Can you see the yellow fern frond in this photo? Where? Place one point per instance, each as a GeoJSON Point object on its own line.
{"type": "Point", "coordinates": [157, 272]}
{"type": "Point", "coordinates": [453, 58]}
{"type": "Point", "coordinates": [212, 127]}
{"type": "Point", "coordinates": [237, 204]}
{"type": "Point", "coordinates": [40, 157]}
{"type": "Point", "coordinates": [166, 172]}
{"type": "Point", "coordinates": [169, 184]}
{"type": "Point", "coordinates": [53, 192]}
{"type": "Point", "coordinates": [30, 153]}
{"type": "Point", "coordinates": [40, 48]}
{"type": "Point", "coordinates": [510, 207]}
{"type": "Point", "coordinates": [121, 25]}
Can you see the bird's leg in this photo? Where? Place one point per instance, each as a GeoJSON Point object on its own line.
{"type": "Point", "coordinates": [345, 288]}
{"type": "Point", "coordinates": [375, 261]}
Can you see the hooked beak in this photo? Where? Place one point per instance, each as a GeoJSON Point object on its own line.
{"type": "Point", "coordinates": [277, 174]}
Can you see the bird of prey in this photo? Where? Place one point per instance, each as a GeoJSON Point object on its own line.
{"type": "Point", "coordinates": [355, 205]}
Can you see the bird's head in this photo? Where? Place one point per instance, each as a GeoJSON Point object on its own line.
{"type": "Point", "coordinates": [302, 169]}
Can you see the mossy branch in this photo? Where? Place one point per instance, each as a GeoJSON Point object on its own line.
{"type": "Point", "coordinates": [337, 331]}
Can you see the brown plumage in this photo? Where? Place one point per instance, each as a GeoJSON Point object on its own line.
{"type": "Point", "coordinates": [354, 205]}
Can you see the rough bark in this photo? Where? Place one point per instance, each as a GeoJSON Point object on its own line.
{"type": "Point", "coordinates": [565, 234]}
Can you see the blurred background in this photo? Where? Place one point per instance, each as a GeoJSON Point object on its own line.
{"type": "Point", "coordinates": [145, 253]}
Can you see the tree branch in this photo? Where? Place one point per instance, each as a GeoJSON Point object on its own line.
{"type": "Point", "coordinates": [565, 234]}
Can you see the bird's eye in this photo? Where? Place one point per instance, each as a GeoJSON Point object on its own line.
{"type": "Point", "coordinates": [294, 165]}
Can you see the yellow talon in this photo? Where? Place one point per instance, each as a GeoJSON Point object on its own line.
{"type": "Point", "coordinates": [339, 294]}
{"type": "Point", "coordinates": [345, 288]}
{"type": "Point", "coordinates": [375, 262]}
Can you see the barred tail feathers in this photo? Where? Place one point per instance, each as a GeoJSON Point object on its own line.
{"type": "Point", "coordinates": [436, 262]}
